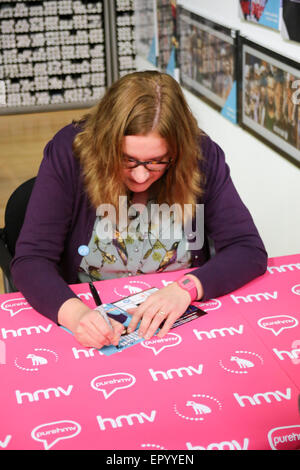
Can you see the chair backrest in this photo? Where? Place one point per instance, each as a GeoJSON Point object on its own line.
{"type": "Point", "coordinates": [15, 213]}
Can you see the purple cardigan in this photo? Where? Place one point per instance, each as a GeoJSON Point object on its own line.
{"type": "Point", "coordinates": [59, 219]}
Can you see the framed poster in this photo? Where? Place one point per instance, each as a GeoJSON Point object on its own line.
{"type": "Point", "coordinates": [270, 98]}
{"type": "Point", "coordinates": [263, 12]}
{"type": "Point", "coordinates": [207, 61]}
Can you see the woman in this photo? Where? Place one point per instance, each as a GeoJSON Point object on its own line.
{"type": "Point", "coordinates": [141, 143]}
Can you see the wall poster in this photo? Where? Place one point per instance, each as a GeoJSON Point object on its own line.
{"type": "Point", "coordinates": [208, 61]}
{"type": "Point", "coordinates": [270, 101]}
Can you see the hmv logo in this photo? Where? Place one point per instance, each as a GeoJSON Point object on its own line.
{"type": "Point", "coordinates": [282, 355]}
{"type": "Point", "coordinates": [127, 420]}
{"type": "Point", "coordinates": [252, 297]}
{"type": "Point", "coordinates": [171, 373]}
{"type": "Point", "coordinates": [42, 394]}
{"type": "Point", "coordinates": [4, 444]}
{"type": "Point", "coordinates": [260, 397]}
{"type": "Point", "coordinates": [25, 331]}
{"type": "Point", "coordinates": [78, 353]}
{"type": "Point", "coordinates": [283, 268]}
{"type": "Point", "coordinates": [217, 332]}
{"type": "Point", "coordinates": [224, 445]}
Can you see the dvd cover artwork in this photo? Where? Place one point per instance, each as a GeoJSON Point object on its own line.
{"type": "Point", "coordinates": [263, 12]}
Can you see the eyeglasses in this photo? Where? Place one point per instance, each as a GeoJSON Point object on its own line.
{"type": "Point", "coordinates": [152, 165]}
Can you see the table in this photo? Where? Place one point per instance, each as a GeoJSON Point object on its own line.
{"type": "Point", "coordinates": [228, 380]}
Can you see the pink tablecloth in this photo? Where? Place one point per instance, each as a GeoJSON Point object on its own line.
{"type": "Point", "coordinates": [228, 380]}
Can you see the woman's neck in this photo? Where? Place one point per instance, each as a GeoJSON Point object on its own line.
{"type": "Point", "coordinates": [140, 198]}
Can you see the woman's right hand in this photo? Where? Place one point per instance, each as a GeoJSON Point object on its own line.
{"type": "Point", "coordinates": [87, 325]}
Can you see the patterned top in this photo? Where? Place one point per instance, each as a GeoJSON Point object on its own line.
{"type": "Point", "coordinates": [144, 246]}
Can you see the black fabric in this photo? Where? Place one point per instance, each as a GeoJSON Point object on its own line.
{"type": "Point", "coordinates": [14, 217]}
{"type": "Point", "coordinates": [15, 213]}
{"type": "Point", "coordinates": [291, 16]}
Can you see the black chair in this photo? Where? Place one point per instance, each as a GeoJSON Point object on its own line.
{"type": "Point", "coordinates": [13, 220]}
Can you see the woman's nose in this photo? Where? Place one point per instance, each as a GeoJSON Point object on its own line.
{"type": "Point", "coordinates": [140, 174]}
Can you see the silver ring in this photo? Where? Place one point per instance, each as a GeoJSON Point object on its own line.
{"type": "Point", "coordinates": [163, 314]}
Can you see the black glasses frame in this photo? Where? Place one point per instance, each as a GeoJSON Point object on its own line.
{"type": "Point", "coordinates": [144, 164]}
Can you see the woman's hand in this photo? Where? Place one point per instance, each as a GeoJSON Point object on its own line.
{"type": "Point", "coordinates": [93, 331]}
{"type": "Point", "coordinates": [88, 326]}
{"type": "Point", "coordinates": [167, 304]}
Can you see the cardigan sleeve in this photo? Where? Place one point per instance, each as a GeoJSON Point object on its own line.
{"type": "Point", "coordinates": [240, 253]}
{"type": "Point", "coordinates": [35, 266]}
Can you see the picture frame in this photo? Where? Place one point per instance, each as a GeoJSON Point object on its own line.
{"type": "Point", "coordinates": [208, 61]}
{"type": "Point", "coordinates": [270, 98]}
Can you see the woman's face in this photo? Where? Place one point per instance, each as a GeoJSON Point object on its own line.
{"type": "Point", "coordinates": [143, 148]}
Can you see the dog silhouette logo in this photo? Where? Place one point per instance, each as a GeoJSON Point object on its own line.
{"type": "Point", "coordinates": [37, 360]}
{"type": "Point", "coordinates": [198, 408]}
{"type": "Point", "coordinates": [242, 363]}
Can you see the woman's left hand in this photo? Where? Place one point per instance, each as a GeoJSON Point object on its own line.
{"type": "Point", "coordinates": [168, 304]}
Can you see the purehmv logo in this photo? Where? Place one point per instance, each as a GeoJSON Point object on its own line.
{"type": "Point", "coordinates": [166, 222]}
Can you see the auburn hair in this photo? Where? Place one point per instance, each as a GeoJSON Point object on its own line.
{"type": "Point", "coordinates": [136, 104]}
